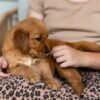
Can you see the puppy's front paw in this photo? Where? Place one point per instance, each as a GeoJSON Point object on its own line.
{"type": "Point", "coordinates": [28, 73]}
{"type": "Point", "coordinates": [34, 77]}
{"type": "Point", "coordinates": [53, 84]}
{"type": "Point", "coordinates": [79, 88]}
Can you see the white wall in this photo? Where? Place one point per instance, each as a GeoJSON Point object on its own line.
{"type": "Point", "coordinates": [6, 5]}
{"type": "Point", "coordinates": [22, 9]}
{"type": "Point", "coordinates": [22, 5]}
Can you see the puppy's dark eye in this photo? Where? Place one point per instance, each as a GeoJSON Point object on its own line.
{"type": "Point", "coordinates": [38, 38]}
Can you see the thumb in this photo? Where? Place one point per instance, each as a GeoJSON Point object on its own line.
{"type": "Point", "coordinates": [4, 74]}
{"type": "Point", "coordinates": [3, 63]}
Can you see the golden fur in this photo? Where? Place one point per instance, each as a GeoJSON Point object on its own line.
{"type": "Point", "coordinates": [27, 50]}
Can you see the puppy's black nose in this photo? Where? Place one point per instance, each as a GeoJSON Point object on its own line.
{"type": "Point", "coordinates": [46, 49]}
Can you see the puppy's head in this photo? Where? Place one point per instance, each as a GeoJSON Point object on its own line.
{"type": "Point", "coordinates": [29, 36]}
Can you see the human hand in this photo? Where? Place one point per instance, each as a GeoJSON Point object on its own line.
{"type": "Point", "coordinates": [3, 65]}
{"type": "Point", "coordinates": [67, 56]}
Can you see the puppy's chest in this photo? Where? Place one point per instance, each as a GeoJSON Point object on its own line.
{"type": "Point", "coordinates": [28, 61]}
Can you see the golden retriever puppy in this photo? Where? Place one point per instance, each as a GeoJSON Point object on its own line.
{"type": "Point", "coordinates": [27, 50]}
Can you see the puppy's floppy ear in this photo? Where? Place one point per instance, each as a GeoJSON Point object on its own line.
{"type": "Point", "coordinates": [21, 40]}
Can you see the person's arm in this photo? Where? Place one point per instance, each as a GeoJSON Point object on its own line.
{"type": "Point", "coordinates": [69, 57]}
{"type": "Point", "coordinates": [91, 60]}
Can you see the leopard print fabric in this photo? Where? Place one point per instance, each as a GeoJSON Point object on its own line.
{"type": "Point", "coordinates": [16, 88]}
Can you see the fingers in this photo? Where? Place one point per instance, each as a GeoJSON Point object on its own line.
{"type": "Point", "coordinates": [67, 56]}
{"type": "Point", "coordinates": [64, 55]}
{"type": "Point", "coordinates": [58, 54]}
{"type": "Point", "coordinates": [57, 48]}
{"type": "Point", "coordinates": [3, 63]}
{"type": "Point", "coordinates": [4, 75]}
{"type": "Point", "coordinates": [65, 64]}
{"type": "Point", "coordinates": [61, 59]}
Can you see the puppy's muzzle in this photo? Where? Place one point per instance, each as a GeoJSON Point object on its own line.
{"type": "Point", "coordinates": [33, 53]}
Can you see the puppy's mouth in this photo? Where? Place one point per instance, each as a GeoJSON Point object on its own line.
{"type": "Point", "coordinates": [42, 53]}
